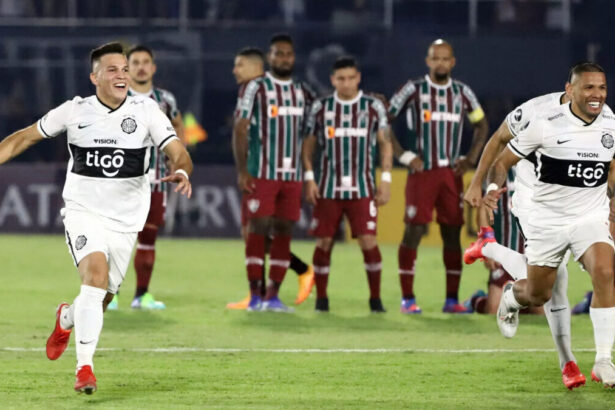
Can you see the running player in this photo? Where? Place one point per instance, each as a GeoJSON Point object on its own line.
{"type": "Point", "coordinates": [574, 149]}
{"type": "Point", "coordinates": [106, 193]}
{"type": "Point", "coordinates": [266, 145]}
{"type": "Point", "coordinates": [435, 109]}
{"type": "Point", "coordinates": [250, 64]}
{"type": "Point", "coordinates": [347, 125]}
{"type": "Point", "coordinates": [141, 69]}
{"type": "Point", "coordinates": [557, 308]}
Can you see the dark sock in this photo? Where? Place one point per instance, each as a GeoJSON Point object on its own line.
{"type": "Point", "coordinates": [297, 264]}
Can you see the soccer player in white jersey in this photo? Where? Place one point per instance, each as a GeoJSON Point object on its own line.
{"type": "Point", "coordinates": [557, 309]}
{"type": "Point", "coordinates": [106, 194]}
{"type": "Point", "coordinates": [574, 149]}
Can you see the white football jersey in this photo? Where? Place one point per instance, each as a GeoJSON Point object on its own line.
{"type": "Point", "coordinates": [573, 159]}
{"type": "Point", "coordinates": [109, 156]}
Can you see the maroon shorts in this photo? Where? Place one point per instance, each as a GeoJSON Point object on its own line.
{"type": "Point", "coordinates": [157, 207]}
{"type": "Point", "coordinates": [436, 187]}
{"type": "Point", "coordinates": [362, 215]}
{"type": "Point", "coordinates": [281, 199]}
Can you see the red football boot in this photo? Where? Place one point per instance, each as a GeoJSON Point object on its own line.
{"type": "Point", "coordinates": [572, 376]}
{"type": "Point", "coordinates": [58, 340]}
{"type": "Point", "coordinates": [475, 251]}
{"type": "Point", "coordinates": [85, 381]}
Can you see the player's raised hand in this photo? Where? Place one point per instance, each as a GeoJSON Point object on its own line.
{"type": "Point", "coordinates": [384, 193]}
{"type": "Point", "coordinates": [245, 182]}
{"type": "Point", "coordinates": [311, 192]}
{"type": "Point", "coordinates": [184, 186]}
{"type": "Point", "coordinates": [473, 195]}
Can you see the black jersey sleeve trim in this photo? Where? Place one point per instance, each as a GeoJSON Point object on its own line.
{"type": "Point", "coordinates": [40, 125]}
{"type": "Point", "coordinates": [516, 151]}
{"type": "Point", "coordinates": [165, 140]}
{"type": "Point", "coordinates": [70, 246]}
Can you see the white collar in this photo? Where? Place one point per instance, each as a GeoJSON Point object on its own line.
{"type": "Point", "coordinates": [276, 80]}
{"type": "Point", "coordinates": [439, 86]}
{"type": "Point", "coordinates": [354, 100]}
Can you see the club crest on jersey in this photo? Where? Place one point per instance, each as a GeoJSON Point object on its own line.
{"type": "Point", "coordinates": [80, 242]}
{"type": "Point", "coordinates": [129, 125]}
{"type": "Point", "coordinates": [253, 205]}
{"type": "Point", "coordinates": [607, 140]}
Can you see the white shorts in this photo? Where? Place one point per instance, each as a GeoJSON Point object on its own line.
{"type": "Point", "coordinates": [547, 246]}
{"type": "Point", "coordinates": [86, 233]}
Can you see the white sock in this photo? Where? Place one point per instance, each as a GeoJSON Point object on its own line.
{"type": "Point", "coordinates": [557, 311]}
{"type": "Point", "coordinates": [510, 301]}
{"type": "Point", "coordinates": [513, 262]}
{"type": "Point", "coordinates": [88, 323]}
{"type": "Point", "coordinates": [67, 317]}
{"type": "Point", "coordinates": [603, 320]}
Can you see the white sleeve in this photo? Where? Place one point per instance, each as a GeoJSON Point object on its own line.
{"type": "Point", "coordinates": [54, 122]}
{"type": "Point", "coordinates": [383, 121]}
{"type": "Point", "coordinates": [518, 119]}
{"type": "Point", "coordinates": [160, 129]}
{"type": "Point", "coordinates": [528, 140]}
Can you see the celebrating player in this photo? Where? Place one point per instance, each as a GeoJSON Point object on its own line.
{"type": "Point", "coordinates": [266, 146]}
{"type": "Point", "coordinates": [436, 106]}
{"type": "Point", "coordinates": [106, 193]}
{"type": "Point", "coordinates": [574, 148]}
{"type": "Point", "coordinates": [347, 125]}
{"type": "Point", "coordinates": [250, 64]}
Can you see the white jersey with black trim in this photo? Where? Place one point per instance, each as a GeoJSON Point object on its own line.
{"type": "Point", "coordinates": [573, 159]}
{"type": "Point", "coordinates": [109, 156]}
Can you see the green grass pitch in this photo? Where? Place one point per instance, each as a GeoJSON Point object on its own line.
{"type": "Point", "coordinates": [209, 357]}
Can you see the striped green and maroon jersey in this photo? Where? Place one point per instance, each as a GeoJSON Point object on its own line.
{"type": "Point", "coordinates": [277, 111]}
{"type": "Point", "coordinates": [157, 160]}
{"type": "Point", "coordinates": [434, 118]}
{"type": "Point", "coordinates": [507, 232]}
{"type": "Point", "coordinates": [347, 135]}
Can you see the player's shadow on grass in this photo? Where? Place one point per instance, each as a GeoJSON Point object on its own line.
{"type": "Point", "coordinates": [466, 324]}
{"type": "Point", "coordinates": [135, 320]}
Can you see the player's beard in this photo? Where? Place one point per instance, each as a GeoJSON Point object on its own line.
{"type": "Point", "coordinates": [282, 72]}
{"type": "Point", "coordinates": [441, 77]}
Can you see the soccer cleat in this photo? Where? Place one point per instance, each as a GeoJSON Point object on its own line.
{"type": "Point", "coordinates": [275, 305]}
{"type": "Point", "coordinates": [58, 340]}
{"type": "Point", "coordinates": [469, 302]}
{"type": "Point", "coordinates": [604, 372]}
{"type": "Point", "coordinates": [475, 251]}
{"type": "Point", "coordinates": [451, 305]}
{"type": "Point", "coordinates": [255, 304]}
{"type": "Point", "coordinates": [322, 305]}
{"type": "Point", "coordinates": [375, 305]}
{"type": "Point", "coordinates": [583, 306]}
{"type": "Point", "coordinates": [572, 376]}
{"type": "Point", "coordinates": [146, 301]}
{"type": "Point", "coordinates": [409, 306]}
{"type": "Point", "coordinates": [306, 283]}
{"type": "Point", "coordinates": [241, 305]}
{"type": "Point", "coordinates": [85, 380]}
{"type": "Point", "coordinates": [508, 321]}
{"type": "Point", "coordinates": [113, 305]}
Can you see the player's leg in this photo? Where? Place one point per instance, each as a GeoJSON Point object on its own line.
{"type": "Point", "coordinates": [599, 260]}
{"type": "Point", "coordinates": [326, 218]}
{"type": "Point", "coordinates": [242, 304]}
{"type": "Point", "coordinates": [449, 206]}
{"type": "Point", "coordinates": [421, 192]}
{"type": "Point", "coordinates": [305, 276]}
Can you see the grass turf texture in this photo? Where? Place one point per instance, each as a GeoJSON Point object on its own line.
{"type": "Point", "coordinates": [196, 278]}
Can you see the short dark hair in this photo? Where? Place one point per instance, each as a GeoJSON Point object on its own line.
{"type": "Point", "coordinates": [109, 48]}
{"type": "Point", "coordinates": [344, 62]}
{"type": "Point", "coordinates": [281, 38]}
{"type": "Point", "coordinates": [140, 47]}
{"type": "Point", "coordinates": [252, 52]}
{"type": "Point", "coordinates": [584, 67]}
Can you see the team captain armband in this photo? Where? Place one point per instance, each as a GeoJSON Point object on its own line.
{"type": "Point", "coordinates": [476, 115]}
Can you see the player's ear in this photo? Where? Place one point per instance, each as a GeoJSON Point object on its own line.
{"type": "Point", "coordinates": [332, 77]}
{"type": "Point", "coordinates": [568, 89]}
{"type": "Point", "coordinates": [453, 62]}
{"type": "Point", "coordinates": [154, 68]}
{"type": "Point", "coordinates": [93, 79]}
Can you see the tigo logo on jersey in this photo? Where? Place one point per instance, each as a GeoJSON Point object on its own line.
{"type": "Point", "coordinates": [129, 125]}
{"type": "Point", "coordinates": [591, 176]}
{"type": "Point", "coordinates": [110, 163]}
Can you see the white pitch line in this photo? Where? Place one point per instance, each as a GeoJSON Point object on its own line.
{"type": "Point", "coordinates": [327, 351]}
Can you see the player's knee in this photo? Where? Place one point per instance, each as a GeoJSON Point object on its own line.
{"type": "Point", "coordinates": [325, 244]}
{"type": "Point", "coordinates": [451, 236]}
{"type": "Point", "coordinates": [282, 226]}
{"type": "Point", "coordinates": [259, 226]}
{"type": "Point", "coordinates": [602, 274]}
{"type": "Point", "coordinates": [413, 234]}
{"type": "Point", "coordinates": [539, 297]}
{"type": "Point", "coordinates": [367, 241]}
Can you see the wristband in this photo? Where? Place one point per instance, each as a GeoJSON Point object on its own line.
{"type": "Point", "coordinates": [406, 158]}
{"type": "Point", "coordinates": [181, 171]}
{"type": "Point", "coordinates": [308, 176]}
{"type": "Point", "coordinates": [492, 187]}
{"type": "Point", "coordinates": [386, 177]}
